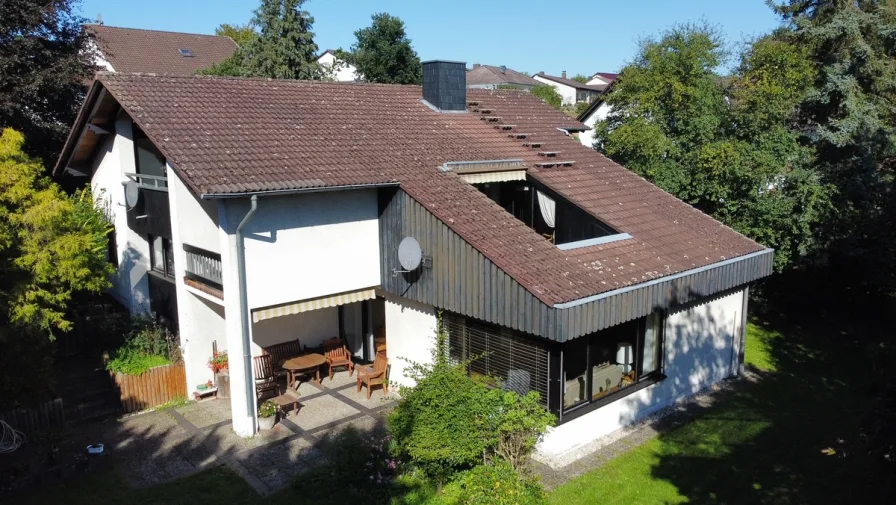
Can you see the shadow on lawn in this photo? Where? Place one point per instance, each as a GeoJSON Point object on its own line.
{"type": "Point", "coordinates": [793, 437]}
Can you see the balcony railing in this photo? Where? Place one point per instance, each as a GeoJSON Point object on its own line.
{"type": "Point", "coordinates": [204, 266]}
{"type": "Point", "coordinates": [154, 182]}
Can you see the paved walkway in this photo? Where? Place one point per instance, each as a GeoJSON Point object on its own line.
{"type": "Point", "coordinates": [160, 446]}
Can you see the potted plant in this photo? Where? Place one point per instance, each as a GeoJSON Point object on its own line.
{"type": "Point", "coordinates": [267, 415]}
{"type": "Point", "coordinates": [218, 362]}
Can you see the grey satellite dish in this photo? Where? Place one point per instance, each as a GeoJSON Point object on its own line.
{"type": "Point", "coordinates": [409, 254]}
{"type": "Point", "coordinates": [131, 194]}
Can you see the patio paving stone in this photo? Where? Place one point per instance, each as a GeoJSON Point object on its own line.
{"type": "Point", "coordinates": [223, 438]}
{"type": "Point", "coordinates": [278, 465]}
{"type": "Point", "coordinates": [320, 411]}
{"type": "Point", "coordinates": [376, 398]}
{"type": "Point", "coordinates": [340, 378]}
{"type": "Point", "coordinates": [207, 413]}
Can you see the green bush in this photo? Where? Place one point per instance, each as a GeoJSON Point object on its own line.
{"type": "Point", "coordinates": [450, 422]}
{"type": "Point", "coordinates": [494, 484]}
{"type": "Point", "coordinates": [146, 345]}
{"type": "Point", "coordinates": [548, 94]}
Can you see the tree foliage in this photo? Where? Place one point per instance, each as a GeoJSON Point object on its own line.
{"type": "Point", "coordinates": [726, 146]}
{"type": "Point", "coordinates": [282, 48]}
{"type": "Point", "coordinates": [548, 94]}
{"type": "Point", "coordinates": [580, 78]}
{"type": "Point", "coordinates": [45, 61]}
{"type": "Point", "coordinates": [241, 34]}
{"type": "Point", "coordinates": [52, 245]}
{"type": "Point", "coordinates": [383, 53]}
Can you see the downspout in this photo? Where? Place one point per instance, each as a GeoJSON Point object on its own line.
{"type": "Point", "coordinates": [244, 312]}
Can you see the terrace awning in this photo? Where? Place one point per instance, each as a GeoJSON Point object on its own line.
{"type": "Point", "coordinates": [312, 304]}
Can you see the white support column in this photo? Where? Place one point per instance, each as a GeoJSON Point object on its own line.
{"type": "Point", "coordinates": [243, 418]}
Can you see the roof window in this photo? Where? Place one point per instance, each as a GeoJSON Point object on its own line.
{"type": "Point", "coordinates": [186, 53]}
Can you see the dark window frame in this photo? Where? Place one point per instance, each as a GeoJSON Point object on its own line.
{"type": "Point", "coordinates": [165, 264]}
{"type": "Point", "coordinates": [641, 380]}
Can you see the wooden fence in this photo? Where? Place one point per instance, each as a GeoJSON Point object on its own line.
{"type": "Point", "coordinates": [156, 386]}
{"type": "Point", "coordinates": [44, 416]}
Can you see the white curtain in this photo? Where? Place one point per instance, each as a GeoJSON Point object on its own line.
{"type": "Point", "coordinates": [548, 208]}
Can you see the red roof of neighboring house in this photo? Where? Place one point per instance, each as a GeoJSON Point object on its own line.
{"type": "Point", "coordinates": [151, 51]}
{"type": "Point", "coordinates": [231, 135]}
{"type": "Point", "coordinates": [606, 76]}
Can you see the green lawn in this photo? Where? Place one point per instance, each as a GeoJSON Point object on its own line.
{"type": "Point", "coordinates": [762, 445]}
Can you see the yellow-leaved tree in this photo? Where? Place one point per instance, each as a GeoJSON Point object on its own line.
{"type": "Point", "coordinates": [52, 245]}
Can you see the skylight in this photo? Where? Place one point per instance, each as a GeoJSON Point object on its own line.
{"type": "Point", "coordinates": [186, 53]}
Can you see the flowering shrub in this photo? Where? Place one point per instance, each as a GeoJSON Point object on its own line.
{"type": "Point", "coordinates": [381, 466]}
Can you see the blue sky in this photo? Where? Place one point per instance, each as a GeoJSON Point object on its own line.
{"type": "Point", "coordinates": [584, 36]}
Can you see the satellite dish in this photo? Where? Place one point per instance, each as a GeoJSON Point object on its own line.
{"type": "Point", "coordinates": [131, 194]}
{"type": "Point", "coordinates": [409, 254]}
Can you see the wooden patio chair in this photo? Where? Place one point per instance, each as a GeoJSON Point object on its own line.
{"type": "Point", "coordinates": [374, 375]}
{"type": "Point", "coordinates": [337, 355]}
{"type": "Point", "coordinates": [265, 380]}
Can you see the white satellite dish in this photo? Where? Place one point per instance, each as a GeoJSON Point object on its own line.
{"type": "Point", "coordinates": [409, 254]}
{"type": "Point", "coordinates": [131, 194]}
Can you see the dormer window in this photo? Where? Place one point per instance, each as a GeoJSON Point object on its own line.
{"type": "Point", "coordinates": [552, 216]}
{"type": "Point", "coordinates": [186, 53]}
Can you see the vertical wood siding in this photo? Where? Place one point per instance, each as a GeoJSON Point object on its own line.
{"type": "Point", "coordinates": [464, 281]}
{"type": "Point", "coordinates": [157, 386]}
{"type": "Point", "coordinates": [41, 417]}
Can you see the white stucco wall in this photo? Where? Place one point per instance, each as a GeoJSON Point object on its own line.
{"type": "Point", "coordinates": [306, 246]}
{"type": "Point", "coordinates": [599, 114]}
{"type": "Point", "coordinates": [130, 286]}
{"type": "Point", "coordinates": [410, 336]}
{"type": "Point", "coordinates": [699, 350]}
{"type": "Point", "coordinates": [568, 93]}
{"type": "Point", "coordinates": [344, 73]}
{"type": "Point", "coordinates": [311, 328]}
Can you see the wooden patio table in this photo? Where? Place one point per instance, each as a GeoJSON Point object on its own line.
{"type": "Point", "coordinates": [303, 364]}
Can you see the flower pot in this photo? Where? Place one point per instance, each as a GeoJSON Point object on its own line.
{"type": "Point", "coordinates": [267, 423]}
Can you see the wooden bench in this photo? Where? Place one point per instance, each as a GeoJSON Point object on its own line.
{"type": "Point", "coordinates": [279, 353]}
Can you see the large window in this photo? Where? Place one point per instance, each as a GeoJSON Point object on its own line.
{"type": "Point", "coordinates": [508, 359]}
{"type": "Point", "coordinates": [149, 160]}
{"type": "Point", "coordinates": [599, 365]}
{"type": "Point", "coordinates": [162, 255]}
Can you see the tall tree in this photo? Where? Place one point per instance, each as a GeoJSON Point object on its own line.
{"type": "Point", "coordinates": [850, 120]}
{"type": "Point", "coordinates": [241, 34]}
{"type": "Point", "coordinates": [52, 245]}
{"type": "Point", "coordinates": [283, 48]}
{"type": "Point", "coordinates": [383, 53]}
{"type": "Point", "coordinates": [45, 61]}
{"type": "Point", "coordinates": [723, 145]}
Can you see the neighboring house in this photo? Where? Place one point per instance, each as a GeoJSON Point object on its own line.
{"type": "Point", "coordinates": [597, 111]}
{"type": "Point", "coordinates": [337, 69]}
{"type": "Point", "coordinates": [571, 90]}
{"type": "Point", "coordinates": [602, 79]}
{"type": "Point", "coordinates": [271, 210]}
{"type": "Point", "coordinates": [490, 77]}
{"type": "Point", "coordinates": [151, 51]}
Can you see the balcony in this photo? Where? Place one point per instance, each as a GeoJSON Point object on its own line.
{"type": "Point", "coordinates": [204, 271]}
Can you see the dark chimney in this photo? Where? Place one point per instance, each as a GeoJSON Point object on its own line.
{"type": "Point", "coordinates": [445, 84]}
{"type": "Point", "coordinates": [503, 69]}
{"type": "Point", "coordinates": [563, 75]}
{"type": "Point", "coordinates": [476, 65]}
{"type": "Point", "coordinates": [541, 72]}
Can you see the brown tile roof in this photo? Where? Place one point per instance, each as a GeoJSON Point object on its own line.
{"type": "Point", "coordinates": [487, 74]}
{"type": "Point", "coordinates": [573, 83]}
{"type": "Point", "coordinates": [151, 51]}
{"type": "Point", "coordinates": [235, 135]}
{"type": "Point", "coordinates": [606, 76]}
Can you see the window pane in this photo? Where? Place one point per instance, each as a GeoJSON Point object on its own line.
{"type": "Point", "coordinates": [652, 344]}
{"type": "Point", "coordinates": [149, 159]}
{"type": "Point", "coordinates": [158, 254]}
{"type": "Point", "coordinates": [169, 257]}
{"type": "Point", "coordinates": [575, 376]}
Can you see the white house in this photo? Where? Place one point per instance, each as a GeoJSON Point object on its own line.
{"type": "Point", "coordinates": [259, 224]}
{"type": "Point", "coordinates": [337, 69]}
{"type": "Point", "coordinates": [602, 79]}
{"type": "Point", "coordinates": [570, 90]}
